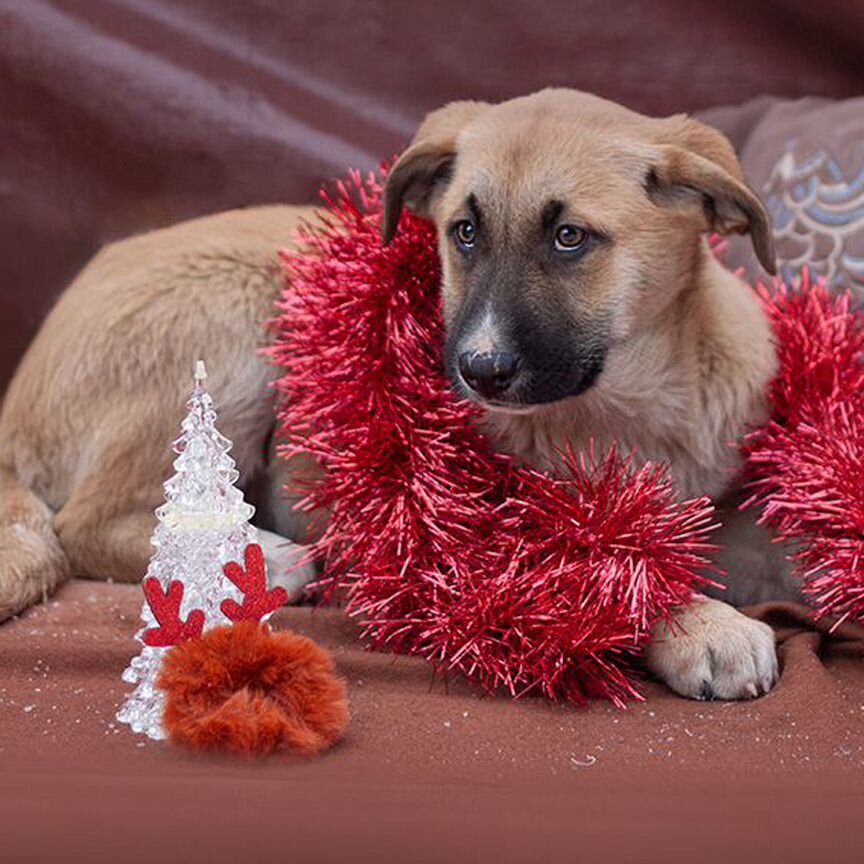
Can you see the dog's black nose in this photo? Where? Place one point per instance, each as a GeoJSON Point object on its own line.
{"type": "Point", "coordinates": [489, 373]}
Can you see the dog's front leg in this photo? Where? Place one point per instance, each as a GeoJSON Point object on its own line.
{"type": "Point", "coordinates": [755, 566]}
{"type": "Point", "coordinates": [283, 529]}
{"type": "Point", "coordinates": [282, 557]}
{"type": "Point", "coordinates": [710, 650]}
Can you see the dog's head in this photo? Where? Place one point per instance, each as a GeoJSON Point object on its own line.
{"type": "Point", "coordinates": [567, 224]}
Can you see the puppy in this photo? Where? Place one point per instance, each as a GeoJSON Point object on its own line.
{"type": "Point", "coordinates": [581, 301]}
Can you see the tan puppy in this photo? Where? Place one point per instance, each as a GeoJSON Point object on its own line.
{"type": "Point", "coordinates": [581, 301]}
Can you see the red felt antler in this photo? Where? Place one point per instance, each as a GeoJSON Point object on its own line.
{"type": "Point", "coordinates": [166, 607]}
{"type": "Point", "coordinates": [257, 600]}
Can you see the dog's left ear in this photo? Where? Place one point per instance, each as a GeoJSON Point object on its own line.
{"type": "Point", "coordinates": [695, 166]}
{"type": "Point", "coordinates": [426, 164]}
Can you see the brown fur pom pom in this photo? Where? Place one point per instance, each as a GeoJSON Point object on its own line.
{"type": "Point", "coordinates": [251, 691]}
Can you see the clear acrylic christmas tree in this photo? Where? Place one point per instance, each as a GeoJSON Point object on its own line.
{"type": "Point", "coordinates": [203, 524]}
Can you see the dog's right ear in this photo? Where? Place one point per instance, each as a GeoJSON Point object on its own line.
{"type": "Point", "coordinates": [426, 164]}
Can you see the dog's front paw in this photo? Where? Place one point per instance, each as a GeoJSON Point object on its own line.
{"type": "Point", "coordinates": [283, 570]}
{"type": "Point", "coordinates": [713, 651]}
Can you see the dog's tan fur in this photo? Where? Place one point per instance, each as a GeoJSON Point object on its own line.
{"type": "Point", "coordinates": [85, 421]}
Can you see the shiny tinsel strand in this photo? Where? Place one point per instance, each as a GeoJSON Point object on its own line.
{"type": "Point", "coordinates": [440, 546]}
{"type": "Point", "coordinates": [807, 463]}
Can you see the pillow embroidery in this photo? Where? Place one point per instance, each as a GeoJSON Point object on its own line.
{"type": "Point", "coordinates": [817, 214]}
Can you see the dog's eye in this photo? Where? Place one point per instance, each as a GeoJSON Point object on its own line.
{"type": "Point", "coordinates": [569, 238]}
{"type": "Point", "coordinates": [465, 233]}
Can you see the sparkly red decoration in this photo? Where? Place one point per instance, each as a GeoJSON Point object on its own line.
{"type": "Point", "coordinates": [166, 609]}
{"type": "Point", "coordinates": [257, 600]}
{"type": "Point", "coordinates": [808, 462]}
{"type": "Point", "coordinates": [250, 691]}
{"type": "Point", "coordinates": [442, 547]}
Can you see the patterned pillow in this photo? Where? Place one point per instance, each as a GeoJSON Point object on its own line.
{"type": "Point", "coordinates": [806, 160]}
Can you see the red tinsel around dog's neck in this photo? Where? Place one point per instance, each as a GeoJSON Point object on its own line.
{"type": "Point", "coordinates": [441, 546]}
{"type": "Point", "coordinates": [446, 549]}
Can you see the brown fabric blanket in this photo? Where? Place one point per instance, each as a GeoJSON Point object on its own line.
{"type": "Point", "coordinates": [429, 770]}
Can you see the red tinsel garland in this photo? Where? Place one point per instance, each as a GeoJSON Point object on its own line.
{"type": "Point", "coordinates": [443, 547]}
{"type": "Point", "coordinates": [808, 462]}
{"type": "Point", "coordinates": [446, 549]}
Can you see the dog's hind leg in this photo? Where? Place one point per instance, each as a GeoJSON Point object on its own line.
{"type": "Point", "coordinates": [32, 561]}
{"type": "Point", "coordinates": [106, 525]}
{"type": "Point", "coordinates": [106, 545]}
{"type": "Point", "coordinates": [117, 546]}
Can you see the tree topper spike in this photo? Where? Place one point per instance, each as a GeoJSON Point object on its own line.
{"type": "Point", "coordinates": [200, 372]}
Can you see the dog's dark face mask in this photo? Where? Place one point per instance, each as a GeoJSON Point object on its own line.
{"type": "Point", "coordinates": [515, 338]}
{"type": "Point", "coordinates": [567, 225]}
